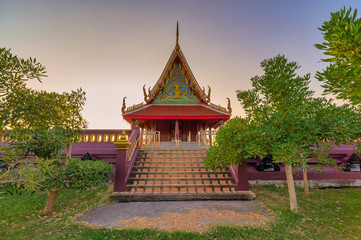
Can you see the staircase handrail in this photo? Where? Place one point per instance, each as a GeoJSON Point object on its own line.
{"type": "Point", "coordinates": [152, 138]}
{"type": "Point", "coordinates": [202, 137]}
{"type": "Point", "coordinates": [133, 151]}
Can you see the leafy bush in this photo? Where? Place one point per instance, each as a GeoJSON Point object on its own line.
{"type": "Point", "coordinates": [236, 141]}
{"type": "Point", "coordinates": [52, 175]}
{"type": "Point", "coordinates": [44, 144]}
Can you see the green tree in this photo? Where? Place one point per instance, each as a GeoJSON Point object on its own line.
{"type": "Point", "coordinates": [14, 73]}
{"type": "Point", "coordinates": [42, 123]}
{"type": "Point", "coordinates": [238, 140]}
{"type": "Point", "coordinates": [29, 112]}
{"type": "Point", "coordinates": [283, 119]}
{"type": "Point", "coordinates": [73, 121]}
{"type": "Point", "coordinates": [54, 174]}
{"type": "Point", "coordinates": [32, 114]}
{"type": "Point", "coordinates": [342, 35]}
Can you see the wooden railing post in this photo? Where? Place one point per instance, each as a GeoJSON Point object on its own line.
{"type": "Point", "coordinates": [243, 184]}
{"type": "Point", "coordinates": [121, 163]}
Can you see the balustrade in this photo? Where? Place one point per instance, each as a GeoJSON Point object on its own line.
{"type": "Point", "coordinates": [150, 139]}
{"type": "Point", "coordinates": [98, 138]}
{"type": "Point", "coordinates": [127, 152]}
{"type": "Point", "coordinates": [206, 138]}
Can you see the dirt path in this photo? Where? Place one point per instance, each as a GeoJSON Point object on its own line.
{"type": "Point", "coordinates": [170, 216]}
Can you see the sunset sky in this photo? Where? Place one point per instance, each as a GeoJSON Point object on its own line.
{"type": "Point", "coordinates": [112, 48]}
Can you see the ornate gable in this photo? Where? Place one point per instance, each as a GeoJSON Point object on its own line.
{"type": "Point", "coordinates": [176, 88]}
{"type": "Point", "coordinates": [176, 76]}
{"type": "Point", "coordinates": [176, 85]}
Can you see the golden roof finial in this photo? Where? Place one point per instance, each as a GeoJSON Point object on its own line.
{"type": "Point", "coordinates": [177, 45]}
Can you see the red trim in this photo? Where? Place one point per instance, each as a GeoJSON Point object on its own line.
{"type": "Point", "coordinates": [175, 117]}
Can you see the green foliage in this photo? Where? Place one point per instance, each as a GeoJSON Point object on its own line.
{"type": "Point", "coordinates": [36, 117]}
{"type": "Point", "coordinates": [236, 141]}
{"type": "Point", "coordinates": [323, 215]}
{"type": "Point", "coordinates": [45, 144]}
{"type": "Point", "coordinates": [43, 175]}
{"type": "Point", "coordinates": [342, 35]}
{"type": "Point", "coordinates": [14, 72]}
{"type": "Point", "coordinates": [292, 119]}
{"type": "Point", "coordinates": [277, 90]}
{"type": "Point", "coordinates": [283, 119]}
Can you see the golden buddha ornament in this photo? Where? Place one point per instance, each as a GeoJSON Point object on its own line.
{"type": "Point", "coordinates": [177, 92]}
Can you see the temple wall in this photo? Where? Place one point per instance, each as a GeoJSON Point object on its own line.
{"type": "Point", "coordinates": [98, 142]}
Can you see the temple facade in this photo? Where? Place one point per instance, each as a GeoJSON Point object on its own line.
{"type": "Point", "coordinates": [176, 105]}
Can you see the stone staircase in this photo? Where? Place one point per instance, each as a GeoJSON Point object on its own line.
{"type": "Point", "coordinates": [177, 175]}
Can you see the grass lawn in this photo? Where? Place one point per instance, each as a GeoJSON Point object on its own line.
{"type": "Point", "coordinates": [326, 214]}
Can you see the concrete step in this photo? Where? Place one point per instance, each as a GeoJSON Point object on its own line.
{"type": "Point", "coordinates": [150, 197]}
{"type": "Point", "coordinates": [168, 163]}
{"type": "Point", "coordinates": [177, 172]}
{"type": "Point", "coordinates": [184, 190]}
{"type": "Point", "coordinates": [175, 168]}
{"type": "Point", "coordinates": [173, 152]}
{"type": "Point", "coordinates": [141, 182]}
{"type": "Point", "coordinates": [172, 155]}
{"type": "Point", "coordinates": [182, 185]}
{"type": "Point", "coordinates": [183, 178]}
{"type": "Point", "coordinates": [180, 181]}
{"type": "Point", "coordinates": [172, 158]}
{"type": "Point", "coordinates": [210, 173]}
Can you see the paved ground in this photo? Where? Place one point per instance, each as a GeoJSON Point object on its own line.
{"type": "Point", "coordinates": [179, 215]}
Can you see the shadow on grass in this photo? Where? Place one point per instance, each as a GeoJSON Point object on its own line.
{"type": "Point", "coordinates": [327, 213]}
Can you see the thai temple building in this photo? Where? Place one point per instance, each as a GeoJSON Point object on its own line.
{"type": "Point", "coordinates": [162, 156]}
{"type": "Point", "coordinates": [176, 106]}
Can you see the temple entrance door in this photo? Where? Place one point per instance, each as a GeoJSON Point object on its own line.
{"type": "Point", "coordinates": [172, 129]}
{"type": "Point", "coordinates": [163, 125]}
{"type": "Point", "coordinates": [189, 130]}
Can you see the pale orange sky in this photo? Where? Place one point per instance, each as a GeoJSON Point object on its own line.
{"type": "Point", "coordinates": [112, 48]}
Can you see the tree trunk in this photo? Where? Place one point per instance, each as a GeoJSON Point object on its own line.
{"type": "Point", "coordinates": [51, 199]}
{"type": "Point", "coordinates": [305, 181]}
{"type": "Point", "coordinates": [68, 149]}
{"type": "Point", "coordinates": [291, 188]}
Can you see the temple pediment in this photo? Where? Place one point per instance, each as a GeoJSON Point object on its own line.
{"type": "Point", "coordinates": [177, 86]}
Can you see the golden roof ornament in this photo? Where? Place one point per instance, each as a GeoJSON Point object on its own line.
{"type": "Point", "coordinates": [124, 106]}
{"type": "Point", "coordinates": [177, 92]}
{"type": "Point", "coordinates": [147, 97]}
{"type": "Point", "coordinates": [209, 94]}
{"type": "Point", "coordinates": [229, 106]}
{"type": "Point", "coordinates": [177, 47]}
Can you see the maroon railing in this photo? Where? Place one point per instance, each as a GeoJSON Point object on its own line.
{"type": "Point", "coordinates": [126, 155]}
{"type": "Point", "coordinates": [101, 143]}
{"type": "Point", "coordinates": [133, 151]}
{"type": "Point", "coordinates": [247, 171]}
{"type": "Point", "coordinates": [240, 176]}
{"type": "Point", "coordinates": [97, 142]}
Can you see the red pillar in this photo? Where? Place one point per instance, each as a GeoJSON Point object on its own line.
{"type": "Point", "coordinates": [121, 163]}
{"type": "Point", "coordinates": [176, 130]}
{"type": "Point", "coordinates": [210, 136]}
{"type": "Point", "coordinates": [243, 184]}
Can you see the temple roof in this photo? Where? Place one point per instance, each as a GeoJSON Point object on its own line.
{"type": "Point", "coordinates": [165, 111]}
{"type": "Point", "coordinates": [176, 86]}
